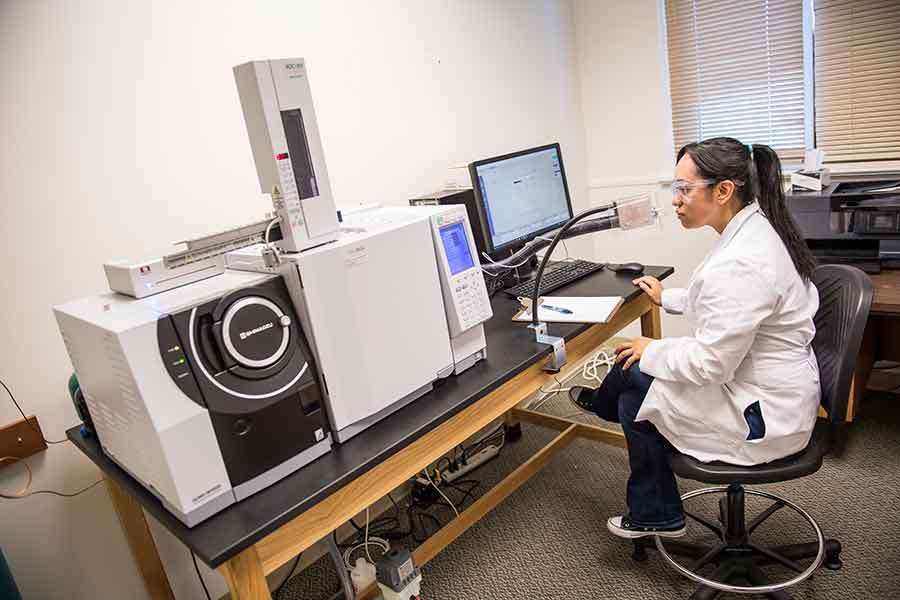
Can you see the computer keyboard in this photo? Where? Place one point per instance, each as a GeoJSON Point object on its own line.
{"type": "Point", "coordinates": [564, 274]}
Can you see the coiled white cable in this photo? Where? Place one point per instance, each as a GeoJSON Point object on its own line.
{"type": "Point", "coordinates": [373, 541]}
{"type": "Point", "coordinates": [368, 541]}
{"type": "Point", "coordinates": [589, 371]}
{"type": "Point", "coordinates": [601, 358]}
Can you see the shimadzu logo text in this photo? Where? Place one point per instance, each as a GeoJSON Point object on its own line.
{"type": "Point", "coordinates": [246, 334]}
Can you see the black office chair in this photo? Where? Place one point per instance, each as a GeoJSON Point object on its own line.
{"type": "Point", "coordinates": [845, 296]}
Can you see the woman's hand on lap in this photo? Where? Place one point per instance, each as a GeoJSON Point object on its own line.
{"type": "Point", "coordinates": [632, 350]}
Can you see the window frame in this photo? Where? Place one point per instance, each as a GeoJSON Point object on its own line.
{"type": "Point", "coordinates": [809, 113]}
{"type": "Point", "coordinates": [809, 95]}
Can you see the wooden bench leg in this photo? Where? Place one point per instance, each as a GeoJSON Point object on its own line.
{"type": "Point", "coordinates": [143, 548]}
{"type": "Point", "coordinates": [245, 577]}
{"type": "Point", "coordinates": [651, 323]}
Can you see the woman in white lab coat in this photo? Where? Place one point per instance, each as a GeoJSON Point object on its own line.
{"type": "Point", "coordinates": [743, 388]}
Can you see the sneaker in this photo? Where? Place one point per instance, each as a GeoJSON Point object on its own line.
{"type": "Point", "coordinates": [624, 528]}
{"type": "Point", "coordinates": [581, 397]}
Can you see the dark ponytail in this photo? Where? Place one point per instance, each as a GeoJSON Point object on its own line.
{"type": "Point", "coordinates": [756, 173]}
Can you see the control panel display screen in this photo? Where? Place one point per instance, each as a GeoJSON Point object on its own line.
{"type": "Point", "coordinates": [456, 247]}
{"type": "Point", "coordinates": [298, 147]}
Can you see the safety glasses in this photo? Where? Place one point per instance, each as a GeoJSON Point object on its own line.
{"type": "Point", "coordinates": [681, 187]}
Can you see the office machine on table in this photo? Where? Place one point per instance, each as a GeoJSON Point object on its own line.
{"type": "Point", "coordinates": [387, 320]}
{"type": "Point", "coordinates": [219, 369]}
{"type": "Point", "coordinates": [206, 393]}
{"type": "Point", "coordinates": [854, 220]}
{"type": "Point", "coordinates": [236, 367]}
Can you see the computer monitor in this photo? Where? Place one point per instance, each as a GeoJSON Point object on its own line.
{"type": "Point", "coordinates": [520, 196]}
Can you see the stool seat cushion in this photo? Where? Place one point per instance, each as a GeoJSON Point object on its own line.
{"type": "Point", "coordinates": [797, 465]}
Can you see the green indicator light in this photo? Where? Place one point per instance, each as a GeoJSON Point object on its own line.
{"type": "Point", "coordinates": [180, 361]}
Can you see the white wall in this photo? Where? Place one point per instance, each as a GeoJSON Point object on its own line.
{"type": "Point", "coordinates": [120, 130]}
{"type": "Point", "coordinates": [628, 133]}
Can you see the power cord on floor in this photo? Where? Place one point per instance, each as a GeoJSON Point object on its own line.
{"type": "Point", "coordinates": [30, 424]}
{"type": "Point", "coordinates": [424, 517]}
{"type": "Point", "coordinates": [387, 527]}
{"type": "Point", "coordinates": [378, 542]}
{"type": "Point", "coordinates": [440, 491]}
{"type": "Point", "coordinates": [547, 394]}
{"type": "Point", "coordinates": [25, 492]}
{"type": "Point", "coordinates": [368, 540]}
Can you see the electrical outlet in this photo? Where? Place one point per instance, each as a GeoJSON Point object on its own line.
{"type": "Point", "coordinates": [22, 439]}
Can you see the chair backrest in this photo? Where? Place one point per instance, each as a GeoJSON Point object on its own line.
{"type": "Point", "coordinates": [845, 297]}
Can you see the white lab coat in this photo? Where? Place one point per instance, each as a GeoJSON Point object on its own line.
{"type": "Point", "coordinates": [752, 317]}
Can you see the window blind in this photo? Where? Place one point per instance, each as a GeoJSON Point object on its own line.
{"type": "Point", "coordinates": [736, 69]}
{"type": "Point", "coordinates": [857, 65]}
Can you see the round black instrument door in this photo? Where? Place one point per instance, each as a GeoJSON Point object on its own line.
{"type": "Point", "coordinates": [255, 332]}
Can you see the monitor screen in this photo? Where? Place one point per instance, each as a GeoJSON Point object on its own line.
{"type": "Point", "coordinates": [456, 247]}
{"type": "Point", "coordinates": [522, 194]}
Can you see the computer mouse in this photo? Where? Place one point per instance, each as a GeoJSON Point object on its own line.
{"type": "Point", "coordinates": [629, 268]}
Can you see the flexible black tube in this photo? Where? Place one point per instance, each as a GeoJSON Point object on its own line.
{"type": "Point", "coordinates": [535, 245]}
{"type": "Point", "coordinates": [599, 225]}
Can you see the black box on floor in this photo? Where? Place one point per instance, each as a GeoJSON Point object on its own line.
{"type": "Point", "coordinates": [463, 196]}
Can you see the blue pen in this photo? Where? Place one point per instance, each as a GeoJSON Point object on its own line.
{"type": "Point", "coordinates": [558, 309]}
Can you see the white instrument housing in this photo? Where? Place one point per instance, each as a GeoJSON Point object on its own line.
{"type": "Point", "coordinates": [284, 135]}
{"type": "Point", "coordinates": [199, 438]}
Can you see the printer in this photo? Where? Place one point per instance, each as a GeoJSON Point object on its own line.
{"type": "Point", "coordinates": [854, 220]}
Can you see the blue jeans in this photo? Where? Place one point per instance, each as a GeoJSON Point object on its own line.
{"type": "Point", "coordinates": [652, 493]}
